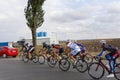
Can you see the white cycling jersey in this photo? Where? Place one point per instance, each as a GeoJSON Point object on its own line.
{"type": "Point", "coordinates": [74, 47]}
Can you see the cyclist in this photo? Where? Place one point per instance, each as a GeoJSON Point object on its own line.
{"type": "Point", "coordinates": [47, 49]}
{"type": "Point", "coordinates": [57, 50]}
{"type": "Point", "coordinates": [111, 56]}
{"type": "Point", "coordinates": [30, 49]}
{"type": "Point", "coordinates": [75, 50]}
{"type": "Point", "coordinates": [24, 47]}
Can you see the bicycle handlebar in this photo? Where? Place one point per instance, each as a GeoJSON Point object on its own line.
{"type": "Point", "coordinates": [98, 58]}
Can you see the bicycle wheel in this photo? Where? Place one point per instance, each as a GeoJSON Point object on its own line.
{"type": "Point", "coordinates": [88, 58]}
{"type": "Point", "coordinates": [95, 70]}
{"type": "Point", "coordinates": [35, 58]}
{"type": "Point", "coordinates": [41, 59]}
{"type": "Point", "coordinates": [117, 60]}
{"type": "Point", "coordinates": [52, 61]}
{"type": "Point", "coordinates": [40, 52]}
{"type": "Point", "coordinates": [25, 58]}
{"type": "Point", "coordinates": [64, 64]}
{"type": "Point", "coordinates": [117, 71]}
{"type": "Point", "coordinates": [81, 65]}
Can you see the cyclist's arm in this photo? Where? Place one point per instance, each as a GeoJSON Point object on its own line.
{"type": "Point", "coordinates": [43, 48]}
{"type": "Point", "coordinates": [101, 53]}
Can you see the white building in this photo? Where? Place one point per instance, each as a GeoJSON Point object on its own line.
{"type": "Point", "coordinates": [49, 40]}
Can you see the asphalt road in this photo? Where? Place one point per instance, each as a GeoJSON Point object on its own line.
{"type": "Point", "coordinates": [14, 69]}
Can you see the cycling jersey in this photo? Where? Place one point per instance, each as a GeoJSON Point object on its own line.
{"type": "Point", "coordinates": [57, 46]}
{"type": "Point", "coordinates": [25, 47]}
{"type": "Point", "coordinates": [74, 47]}
{"type": "Point", "coordinates": [109, 48]}
{"type": "Point", "coordinates": [46, 46]}
{"type": "Point", "coordinates": [82, 47]}
{"type": "Point", "coordinates": [31, 49]}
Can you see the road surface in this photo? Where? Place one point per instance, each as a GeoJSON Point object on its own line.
{"type": "Point", "coordinates": [15, 69]}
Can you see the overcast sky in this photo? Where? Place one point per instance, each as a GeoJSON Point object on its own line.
{"type": "Point", "coordinates": [68, 19]}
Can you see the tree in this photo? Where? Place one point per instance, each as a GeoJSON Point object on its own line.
{"type": "Point", "coordinates": [34, 15]}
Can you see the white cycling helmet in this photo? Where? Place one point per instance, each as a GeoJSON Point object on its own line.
{"type": "Point", "coordinates": [102, 42]}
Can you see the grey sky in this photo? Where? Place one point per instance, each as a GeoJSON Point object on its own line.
{"type": "Point", "coordinates": [69, 19]}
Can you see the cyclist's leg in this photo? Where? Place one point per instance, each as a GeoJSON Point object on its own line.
{"type": "Point", "coordinates": [82, 54]}
{"type": "Point", "coordinates": [61, 50]}
{"type": "Point", "coordinates": [113, 59]}
{"type": "Point", "coordinates": [108, 57]}
{"type": "Point", "coordinates": [47, 51]}
{"type": "Point", "coordinates": [53, 52]}
{"type": "Point", "coordinates": [73, 55]}
{"type": "Point", "coordinates": [30, 52]}
{"type": "Point", "coordinates": [57, 54]}
{"type": "Point", "coordinates": [29, 55]}
{"type": "Point", "coordinates": [112, 65]}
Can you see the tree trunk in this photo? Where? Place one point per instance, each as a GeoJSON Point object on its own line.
{"type": "Point", "coordinates": [34, 38]}
{"type": "Point", "coordinates": [34, 34]}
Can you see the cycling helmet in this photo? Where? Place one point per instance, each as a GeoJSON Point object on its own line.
{"type": "Point", "coordinates": [102, 42]}
{"type": "Point", "coordinates": [26, 44]}
{"type": "Point", "coordinates": [53, 45]}
{"type": "Point", "coordinates": [75, 41]}
{"type": "Point", "coordinates": [44, 43]}
{"type": "Point", "coordinates": [67, 41]}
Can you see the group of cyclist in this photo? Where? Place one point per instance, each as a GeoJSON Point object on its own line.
{"type": "Point", "coordinates": [76, 49]}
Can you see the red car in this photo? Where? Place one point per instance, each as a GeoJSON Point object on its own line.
{"type": "Point", "coordinates": [6, 51]}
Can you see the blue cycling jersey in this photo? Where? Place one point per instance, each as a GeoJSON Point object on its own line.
{"type": "Point", "coordinates": [109, 48]}
{"type": "Point", "coordinates": [82, 47]}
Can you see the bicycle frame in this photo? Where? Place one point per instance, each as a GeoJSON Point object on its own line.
{"type": "Point", "coordinates": [103, 65]}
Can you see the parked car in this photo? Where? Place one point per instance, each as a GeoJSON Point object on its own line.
{"type": "Point", "coordinates": [6, 51]}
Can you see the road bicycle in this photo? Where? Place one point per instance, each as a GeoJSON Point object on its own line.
{"type": "Point", "coordinates": [117, 69]}
{"type": "Point", "coordinates": [52, 60]}
{"type": "Point", "coordinates": [26, 57]}
{"type": "Point", "coordinates": [42, 57]}
{"type": "Point", "coordinates": [49, 57]}
{"type": "Point", "coordinates": [87, 57]}
{"type": "Point", "coordinates": [97, 69]}
{"type": "Point", "coordinates": [65, 63]}
{"type": "Point", "coordinates": [55, 56]}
